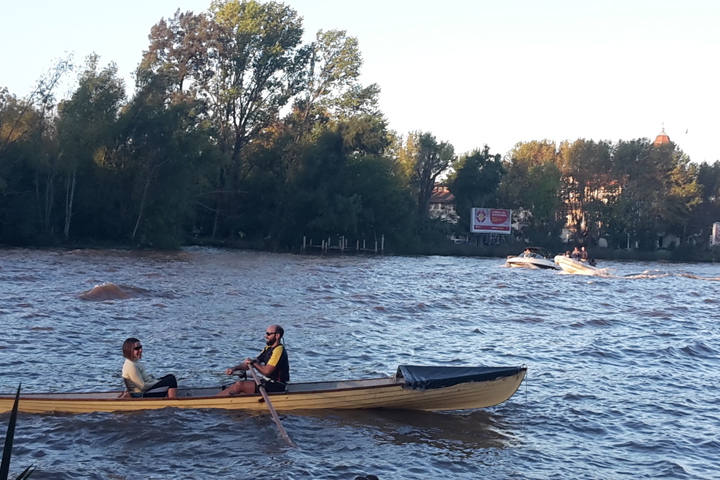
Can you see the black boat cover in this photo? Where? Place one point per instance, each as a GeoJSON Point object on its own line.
{"type": "Point", "coordinates": [426, 378]}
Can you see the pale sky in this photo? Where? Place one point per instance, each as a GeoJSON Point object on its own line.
{"type": "Point", "coordinates": [471, 72]}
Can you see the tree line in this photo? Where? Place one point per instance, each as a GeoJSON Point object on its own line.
{"type": "Point", "coordinates": [629, 193]}
{"type": "Point", "coordinates": [238, 131]}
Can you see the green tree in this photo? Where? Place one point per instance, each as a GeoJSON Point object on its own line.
{"type": "Point", "coordinates": [164, 154]}
{"type": "Point", "coordinates": [259, 68]}
{"type": "Point", "coordinates": [332, 87]}
{"type": "Point", "coordinates": [682, 195]}
{"type": "Point", "coordinates": [656, 193]}
{"type": "Point", "coordinates": [87, 126]}
{"type": "Point", "coordinates": [179, 49]}
{"type": "Point", "coordinates": [28, 160]}
{"type": "Point", "coordinates": [23, 156]}
{"type": "Point", "coordinates": [708, 211]}
{"type": "Point", "coordinates": [387, 206]}
{"type": "Point", "coordinates": [474, 183]}
{"type": "Point", "coordinates": [422, 159]}
{"type": "Point", "coordinates": [587, 174]}
{"type": "Point", "coordinates": [531, 187]}
{"type": "Point", "coordinates": [341, 184]}
{"type": "Point", "coordinates": [245, 61]}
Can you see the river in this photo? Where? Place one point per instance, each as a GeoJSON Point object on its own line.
{"type": "Point", "coordinates": [622, 369]}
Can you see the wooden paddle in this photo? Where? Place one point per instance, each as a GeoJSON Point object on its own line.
{"type": "Point", "coordinates": [270, 407]}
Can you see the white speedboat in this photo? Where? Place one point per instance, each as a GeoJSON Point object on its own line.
{"type": "Point", "coordinates": [577, 267]}
{"type": "Point", "coordinates": [532, 257]}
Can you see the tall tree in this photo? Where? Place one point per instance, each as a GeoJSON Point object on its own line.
{"type": "Point", "coordinates": [656, 193]}
{"type": "Point", "coordinates": [423, 159]}
{"type": "Point", "coordinates": [23, 166]}
{"type": "Point", "coordinates": [245, 61]}
{"type": "Point", "coordinates": [164, 154]}
{"type": "Point", "coordinates": [682, 194]}
{"type": "Point", "coordinates": [475, 182]}
{"type": "Point", "coordinates": [87, 126]}
{"type": "Point", "coordinates": [258, 68]}
{"type": "Point", "coordinates": [40, 103]}
{"type": "Point", "coordinates": [708, 211]}
{"type": "Point", "coordinates": [532, 188]}
{"type": "Point", "coordinates": [28, 158]}
{"type": "Point", "coordinates": [331, 77]}
{"type": "Point", "coordinates": [180, 49]}
{"type": "Point", "coordinates": [587, 174]}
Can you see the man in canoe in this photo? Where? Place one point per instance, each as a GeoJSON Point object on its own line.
{"type": "Point", "coordinates": [272, 363]}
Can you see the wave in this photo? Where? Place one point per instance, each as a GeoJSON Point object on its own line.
{"type": "Point", "coordinates": [697, 349]}
{"type": "Point", "coordinates": [698, 277]}
{"type": "Point", "coordinates": [648, 274]}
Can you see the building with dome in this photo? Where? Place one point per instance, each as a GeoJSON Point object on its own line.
{"type": "Point", "coordinates": [661, 139]}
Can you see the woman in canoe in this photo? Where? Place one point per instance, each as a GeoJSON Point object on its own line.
{"type": "Point", "coordinates": [138, 382]}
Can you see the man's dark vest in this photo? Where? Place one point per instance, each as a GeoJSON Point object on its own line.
{"type": "Point", "coordinates": [282, 369]}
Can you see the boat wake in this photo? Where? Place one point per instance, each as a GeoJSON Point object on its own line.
{"type": "Point", "coordinates": [599, 272]}
{"type": "Point", "coordinates": [660, 274]}
{"type": "Point", "coordinates": [648, 274]}
{"type": "Point", "coordinates": [698, 277]}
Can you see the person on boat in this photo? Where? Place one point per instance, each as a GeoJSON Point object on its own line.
{"type": "Point", "coordinates": [139, 383]}
{"type": "Point", "coordinates": [583, 254]}
{"type": "Point", "coordinates": [575, 255]}
{"type": "Point", "coordinates": [272, 363]}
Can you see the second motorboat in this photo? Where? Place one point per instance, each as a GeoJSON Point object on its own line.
{"type": "Point", "coordinates": [577, 267]}
{"type": "Point", "coordinates": [532, 257]}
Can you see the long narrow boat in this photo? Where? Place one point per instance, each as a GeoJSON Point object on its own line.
{"type": "Point", "coordinates": [412, 387]}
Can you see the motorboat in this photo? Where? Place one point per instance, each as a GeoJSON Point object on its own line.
{"type": "Point", "coordinates": [532, 257]}
{"type": "Point", "coordinates": [412, 387]}
{"type": "Point", "coordinates": [577, 267]}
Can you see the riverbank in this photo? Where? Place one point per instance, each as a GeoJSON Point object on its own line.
{"type": "Point", "coordinates": [679, 254]}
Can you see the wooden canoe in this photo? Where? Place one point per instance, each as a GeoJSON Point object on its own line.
{"type": "Point", "coordinates": [411, 388]}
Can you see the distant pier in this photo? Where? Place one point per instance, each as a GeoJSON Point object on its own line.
{"type": "Point", "coordinates": [343, 246]}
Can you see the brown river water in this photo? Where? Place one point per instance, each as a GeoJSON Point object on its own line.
{"type": "Point", "coordinates": [622, 381]}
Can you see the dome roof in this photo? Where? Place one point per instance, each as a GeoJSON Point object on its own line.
{"type": "Point", "coordinates": [661, 139]}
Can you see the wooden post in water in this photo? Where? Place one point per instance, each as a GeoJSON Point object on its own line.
{"type": "Point", "coordinates": [382, 243]}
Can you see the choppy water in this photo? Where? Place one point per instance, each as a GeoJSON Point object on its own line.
{"type": "Point", "coordinates": [622, 379]}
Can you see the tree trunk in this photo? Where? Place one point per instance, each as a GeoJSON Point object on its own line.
{"type": "Point", "coordinates": [69, 196]}
{"type": "Point", "coordinates": [49, 194]}
{"type": "Point", "coordinates": [142, 203]}
{"type": "Point", "coordinates": [218, 202]}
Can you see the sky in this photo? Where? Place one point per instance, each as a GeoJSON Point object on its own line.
{"type": "Point", "coordinates": [471, 72]}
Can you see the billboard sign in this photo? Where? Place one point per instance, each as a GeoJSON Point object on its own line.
{"type": "Point", "coordinates": [491, 220]}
